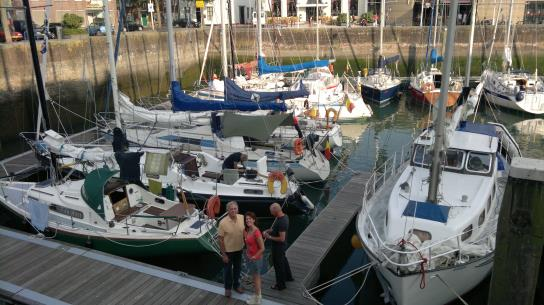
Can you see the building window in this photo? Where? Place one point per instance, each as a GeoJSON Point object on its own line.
{"type": "Point", "coordinates": [353, 7]}
{"type": "Point", "coordinates": [276, 8]}
{"type": "Point", "coordinates": [335, 7]}
{"type": "Point", "coordinates": [292, 8]}
{"type": "Point", "coordinates": [209, 13]}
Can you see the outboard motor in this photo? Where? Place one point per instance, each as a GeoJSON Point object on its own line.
{"type": "Point", "coordinates": [521, 94]}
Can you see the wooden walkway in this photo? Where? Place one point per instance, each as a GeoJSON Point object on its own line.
{"type": "Point", "coordinates": [310, 248]}
{"type": "Point", "coordinates": [38, 271]}
{"type": "Point", "coordinates": [27, 161]}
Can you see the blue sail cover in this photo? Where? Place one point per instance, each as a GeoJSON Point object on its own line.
{"type": "Point", "coordinates": [434, 57]}
{"type": "Point", "coordinates": [234, 93]}
{"type": "Point", "coordinates": [184, 102]}
{"type": "Point", "coordinates": [264, 68]}
{"type": "Point", "coordinates": [382, 61]}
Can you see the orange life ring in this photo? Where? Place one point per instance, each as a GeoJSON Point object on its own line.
{"type": "Point", "coordinates": [277, 176]}
{"type": "Point", "coordinates": [327, 116]}
{"type": "Point", "coordinates": [213, 206]}
{"type": "Point", "coordinates": [298, 146]}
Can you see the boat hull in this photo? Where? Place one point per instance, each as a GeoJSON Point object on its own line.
{"type": "Point", "coordinates": [531, 103]}
{"type": "Point", "coordinates": [378, 96]}
{"type": "Point", "coordinates": [405, 289]}
{"type": "Point", "coordinates": [431, 97]}
{"type": "Point", "coordinates": [258, 205]}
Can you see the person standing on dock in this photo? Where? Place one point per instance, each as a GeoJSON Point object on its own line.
{"type": "Point", "coordinates": [278, 235]}
{"type": "Point", "coordinates": [231, 242]}
{"type": "Point", "coordinates": [254, 253]}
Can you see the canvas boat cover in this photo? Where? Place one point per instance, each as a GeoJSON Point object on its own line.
{"type": "Point", "coordinates": [257, 127]}
{"type": "Point", "coordinates": [234, 93]}
{"type": "Point", "coordinates": [265, 68]}
{"type": "Point", "coordinates": [93, 189]}
{"type": "Point", "coordinates": [382, 61]}
{"type": "Point", "coordinates": [184, 102]}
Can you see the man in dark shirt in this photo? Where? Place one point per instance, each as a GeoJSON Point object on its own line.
{"type": "Point", "coordinates": [278, 235]}
{"type": "Point", "coordinates": [231, 162]}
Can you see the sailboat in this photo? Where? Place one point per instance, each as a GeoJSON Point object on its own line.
{"type": "Point", "coordinates": [517, 90]}
{"type": "Point", "coordinates": [101, 210]}
{"type": "Point", "coordinates": [426, 85]}
{"type": "Point", "coordinates": [429, 216]}
{"type": "Point", "coordinates": [380, 86]}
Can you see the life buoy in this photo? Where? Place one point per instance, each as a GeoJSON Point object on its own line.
{"type": "Point", "coordinates": [298, 146]}
{"type": "Point", "coordinates": [427, 87]}
{"type": "Point", "coordinates": [213, 206]}
{"type": "Point", "coordinates": [277, 176]}
{"type": "Point", "coordinates": [327, 116]}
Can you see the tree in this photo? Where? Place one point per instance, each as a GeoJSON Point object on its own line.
{"type": "Point", "coordinates": [72, 21]}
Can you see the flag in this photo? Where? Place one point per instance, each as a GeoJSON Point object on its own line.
{"type": "Point", "coordinates": [349, 104]}
{"type": "Point", "coordinates": [328, 154]}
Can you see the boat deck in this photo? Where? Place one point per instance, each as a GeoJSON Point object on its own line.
{"type": "Point", "coordinates": [41, 271]}
{"type": "Point", "coordinates": [306, 254]}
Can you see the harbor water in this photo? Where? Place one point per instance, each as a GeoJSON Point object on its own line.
{"type": "Point", "coordinates": [367, 143]}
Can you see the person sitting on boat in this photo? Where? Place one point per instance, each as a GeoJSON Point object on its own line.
{"type": "Point", "coordinates": [231, 162]}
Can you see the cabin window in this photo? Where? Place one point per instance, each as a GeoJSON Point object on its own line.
{"type": "Point", "coordinates": [479, 162]}
{"type": "Point", "coordinates": [467, 232]}
{"type": "Point", "coordinates": [422, 155]}
{"type": "Point", "coordinates": [422, 235]}
{"type": "Point", "coordinates": [253, 192]}
{"type": "Point", "coordinates": [66, 211]}
{"type": "Point", "coordinates": [489, 200]}
{"type": "Point", "coordinates": [454, 159]}
{"type": "Point", "coordinates": [481, 219]}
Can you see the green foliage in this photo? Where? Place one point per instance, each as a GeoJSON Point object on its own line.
{"type": "Point", "coordinates": [72, 21]}
{"type": "Point", "coordinates": [69, 31]}
{"type": "Point", "coordinates": [342, 19]}
{"type": "Point", "coordinates": [368, 16]}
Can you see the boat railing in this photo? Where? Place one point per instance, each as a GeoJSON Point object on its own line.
{"type": "Point", "coordinates": [384, 173]}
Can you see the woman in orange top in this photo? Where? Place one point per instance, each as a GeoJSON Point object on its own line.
{"type": "Point", "coordinates": [254, 254]}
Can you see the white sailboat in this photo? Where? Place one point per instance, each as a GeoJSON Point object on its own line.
{"type": "Point", "coordinates": [515, 90]}
{"type": "Point", "coordinates": [429, 221]}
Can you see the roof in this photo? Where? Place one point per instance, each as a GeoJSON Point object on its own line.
{"type": "Point", "coordinates": [427, 210]}
{"type": "Point", "coordinates": [485, 129]}
{"type": "Point", "coordinates": [93, 189]}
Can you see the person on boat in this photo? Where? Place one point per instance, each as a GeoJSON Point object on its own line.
{"type": "Point", "coordinates": [278, 235]}
{"type": "Point", "coordinates": [254, 254]}
{"type": "Point", "coordinates": [231, 162]}
{"type": "Point", "coordinates": [120, 143]}
{"type": "Point", "coordinates": [231, 243]}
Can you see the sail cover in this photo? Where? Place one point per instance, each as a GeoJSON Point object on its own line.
{"type": "Point", "coordinates": [234, 93]}
{"type": "Point", "coordinates": [184, 102]}
{"type": "Point", "coordinates": [382, 61]}
{"type": "Point", "coordinates": [260, 126]}
{"type": "Point", "coordinates": [264, 68]}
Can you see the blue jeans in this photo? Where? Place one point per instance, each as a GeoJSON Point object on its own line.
{"type": "Point", "coordinates": [231, 270]}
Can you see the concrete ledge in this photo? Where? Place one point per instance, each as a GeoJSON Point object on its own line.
{"type": "Point", "coordinates": [528, 169]}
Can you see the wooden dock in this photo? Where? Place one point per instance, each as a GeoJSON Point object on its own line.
{"type": "Point", "coordinates": [310, 248]}
{"type": "Point", "coordinates": [42, 271]}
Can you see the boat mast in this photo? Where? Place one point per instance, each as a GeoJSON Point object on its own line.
{"type": "Point", "coordinates": [437, 12]}
{"type": "Point", "coordinates": [317, 29]}
{"type": "Point", "coordinates": [171, 52]}
{"type": "Point", "coordinates": [429, 35]}
{"type": "Point", "coordinates": [499, 10]}
{"type": "Point", "coordinates": [232, 55]}
{"type": "Point", "coordinates": [222, 8]}
{"type": "Point", "coordinates": [382, 24]}
{"type": "Point", "coordinates": [206, 52]}
{"type": "Point", "coordinates": [43, 67]}
{"type": "Point", "coordinates": [507, 42]}
{"type": "Point", "coordinates": [111, 60]}
{"type": "Point", "coordinates": [36, 64]}
{"type": "Point", "coordinates": [439, 130]}
{"type": "Point", "coordinates": [259, 30]}
{"type": "Point", "coordinates": [471, 41]}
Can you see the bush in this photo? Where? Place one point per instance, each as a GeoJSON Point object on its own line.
{"type": "Point", "coordinates": [72, 21]}
{"type": "Point", "coordinates": [69, 31]}
{"type": "Point", "coordinates": [342, 19]}
{"type": "Point", "coordinates": [368, 17]}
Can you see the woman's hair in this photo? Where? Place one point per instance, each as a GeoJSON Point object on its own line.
{"type": "Point", "coordinates": [252, 215]}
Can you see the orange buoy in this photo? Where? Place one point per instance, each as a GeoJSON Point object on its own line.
{"type": "Point", "coordinates": [213, 206]}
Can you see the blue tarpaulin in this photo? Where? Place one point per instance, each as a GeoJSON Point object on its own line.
{"type": "Point", "coordinates": [485, 129]}
{"type": "Point", "coordinates": [235, 93]}
{"type": "Point", "coordinates": [265, 68]}
{"type": "Point", "coordinates": [434, 57]}
{"type": "Point", "coordinates": [427, 210]}
{"type": "Point", "coordinates": [184, 102]}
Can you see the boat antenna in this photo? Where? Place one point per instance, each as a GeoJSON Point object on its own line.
{"type": "Point", "coordinates": [439, 130]}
